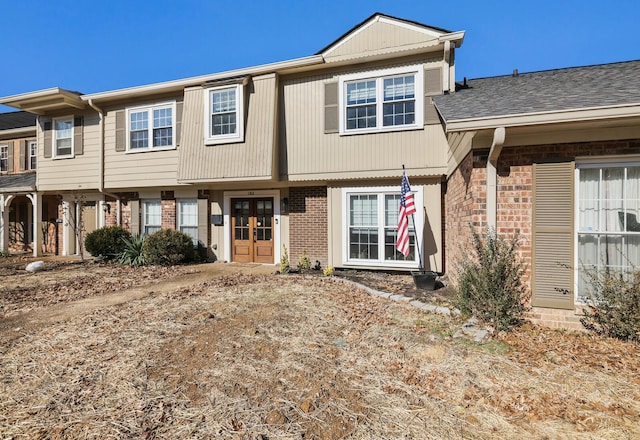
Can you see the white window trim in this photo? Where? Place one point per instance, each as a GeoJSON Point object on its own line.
{"type": "Point", "coordinates": [143, 223]}
{"type": "Point", "coordinates": [179, 224]}
{"type": "Point", "coordinates": [585, 163]}
{"type": "Point", "coordinates": [418, 196]}
{"type": "Point", "coordinates": [5, 146]}
{"type": "Point", "coordinates": [54, 148]}
{"type": "Point", "coordinates": [31, 156]}
{"type": "Point", "coordinates": [238, 136]}
{"type": "Point", "coordinates": [149, 108]}
{"type": "Point", "coordinates": [379, 75]}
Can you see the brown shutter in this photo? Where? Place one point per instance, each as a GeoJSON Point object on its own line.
{"type": "Point", "coordinates": [23, 155]}
{"type": "Point", "coordinates": [178, 122]}
{"type": "Point", "coordinates": [134, 223]}
{"type": "Point", "coordinates": [78, 141]}
{"type": "Point", "coordinates": [121, 131]}
{"type": "Point", "coordinates": [430, 113]}
{"type": "Point", "coordinates": [10, 166]}
{"type": "Point", "coordinates": [203, 221]}
{"type": "Point", "coordinates": [331, 113]}
{"type": "Point", "coordinates": [552, 250]}
{"type": "Point", "coordinates": [48, 140]}
{"type": "Point", "coordinates": [433, 82]}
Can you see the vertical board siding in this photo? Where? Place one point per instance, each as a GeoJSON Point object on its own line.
{"type": "Point", "coordinates": [81, 171]}
{"type": "Point", "coordinates": [306, 151]}
{"type": "Point", "coordinates": [552, 282]}
{"type": "Point", "coordinates": [253, 158]}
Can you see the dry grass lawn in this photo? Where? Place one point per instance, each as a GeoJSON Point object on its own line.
{"type": "Point", "coordinates": [245, 356]}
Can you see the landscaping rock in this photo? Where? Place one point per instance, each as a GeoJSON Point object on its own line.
{"type": "Point", "coordinates": [35, 266]}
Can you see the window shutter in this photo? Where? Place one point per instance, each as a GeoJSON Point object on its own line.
{"type": "Point", "coordinates": [10, 167]}
{"type": "Point", "coordinates": [552, 250]}
{"type": "Point", "coordinates": [121, 131]}
{"type": "Point", "coordinates": [430, 113]}
{"type": "Point", "coordinates": [48, 140]}
{"type": "Point", "coordinates": [134, 223]}
{"type": "Point", "coordinates": [203, 221]}
{"type": "Point", "coordinates": [178, 122]}
{"type": "Point", "coordinates": [331, 113]}
{"type": "Point", "coordinates": [23, 155]}
{"type": "Point", "coordinates": [432, 82]}
{"type": "Point", "coordinates": [78, 145]}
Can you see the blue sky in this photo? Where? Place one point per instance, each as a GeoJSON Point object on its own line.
{"type": "Point", "coordinates": [94, 46]}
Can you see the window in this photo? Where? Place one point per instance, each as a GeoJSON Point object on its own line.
{"type": "Point", "coordinates": [188, 218]}
{"type": "Point", "coordinates": [371, 227]}
{"type": "Point", "coordinates": [63, 137]}
{"type": "Point", "coordinates": [608, 218]}
{"type": "Point", "coordinates": [388, 100]}
{"type": "Point", "coordinates": [4, 157]}
{"type": "Point", "coordinates": [151, 127]}
{"type": "Point", "coordinates": [33, 154]}
{"type": "Point", "coordinates": [151, 216]}
{"type": "Point", "coordinates": [224, 114]}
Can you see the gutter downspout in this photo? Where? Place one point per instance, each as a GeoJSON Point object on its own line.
{"type": "Point", "coordinates": [492, 176]}
{"type": "Point", "coordinates": [101, 168]}
{"type": "Point", "coordinates": [446, 72]}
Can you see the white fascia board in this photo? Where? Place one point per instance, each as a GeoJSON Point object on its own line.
{"type": "Point", "coordinates": [540, 118]}
{"type": "Point", "coordinates": [197, 80]}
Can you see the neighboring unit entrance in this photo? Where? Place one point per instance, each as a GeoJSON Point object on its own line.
{"type": "Point", "coordinates": [252, 230]}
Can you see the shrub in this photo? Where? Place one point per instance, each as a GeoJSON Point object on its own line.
{"type": "Point", "coordinates": [490, 285]}
{"type": "Point", "coordinates": [167, 247]}
{"type": "Point", "coordinates": [304, 264]}
{"type": "Point", "coordinates": [613, 304]}
{"type": "Point", "coordinates": [328, 271]}
{"type": "Point", "coordinates": [284, 261]}
{"type": "Point", "coordinates": [132, 254]}
{"type": "Point", "coordinates": [106, 242]}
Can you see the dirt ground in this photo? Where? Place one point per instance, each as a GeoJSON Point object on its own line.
{"type": "Point", "coordinates": [235, 352]}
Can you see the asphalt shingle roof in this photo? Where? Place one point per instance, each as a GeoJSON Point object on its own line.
{"type": "Point", "coordinates": [12, 120]}
{"type": "Point", "coordinates": [17, 182]}
{"type": "Point", "coordinates": [550, 90]}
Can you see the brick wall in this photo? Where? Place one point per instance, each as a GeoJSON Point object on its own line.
{"type": "Point", "coordinates": [308, 224]}
{"type": "Point", "coordinates": [168, 214]}
{"type": "Point", "coordinates": [465, 202]}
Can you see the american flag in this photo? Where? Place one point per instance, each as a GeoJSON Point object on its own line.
{"type": "Point", "coordinates": [407, 207]}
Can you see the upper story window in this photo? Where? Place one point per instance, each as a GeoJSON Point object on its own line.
{"type": "Point", "coordinates": [224, 112]}
{"type": "Point", "coordinates": [151, 127]}
{"type": "Point", "coordinates": [63, 137]}
{"type": "Point", "coordinates": [385, 100]}
{"type": "Point", "coordinates": [33, 154]}
{"type": "Point", "coordinates": [4, 158]}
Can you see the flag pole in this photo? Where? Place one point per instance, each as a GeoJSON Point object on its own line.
{"type": "Point", "coordinates": [416, 231]}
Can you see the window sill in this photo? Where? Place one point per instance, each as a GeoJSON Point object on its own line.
{"type": "Point", "coordinates": [63, 157]}
{"type": "Point", "coordinates": [381, 130]}
{"type": "Point", "coordinates": [150, 150]}
{"type": "Point", "coordinates": [224, 140]}
{"type": "Point", "coordinates": [390, 263]}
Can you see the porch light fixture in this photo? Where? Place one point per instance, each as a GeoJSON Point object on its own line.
{"type": "Point", "coordinates": [107, 208]}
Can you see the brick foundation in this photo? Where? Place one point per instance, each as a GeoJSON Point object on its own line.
{"type": "Point", "coordinates": [308, 224]}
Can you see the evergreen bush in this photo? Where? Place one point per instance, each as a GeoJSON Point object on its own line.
{"type": "Point", "coordinates": [167, 247]}
{"type": "Point", "coordinates": [107, 241]}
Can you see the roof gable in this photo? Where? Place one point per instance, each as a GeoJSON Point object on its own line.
{"type": "Point", "coordinates": [382, 34]}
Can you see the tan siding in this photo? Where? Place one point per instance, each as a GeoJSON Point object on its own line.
{"type": "Point", "coordinates": [80, 172]}
{"type": "Point", "coordinates": [378, 37]}
{"type": "Point", "coordinates": [135, 170]}
{"type": "Point", "coordinates": [307, 153]}
{"type": "Point", "coordinates": [251, 159]}
{"type": "Point", "coordinates": [552, 282]}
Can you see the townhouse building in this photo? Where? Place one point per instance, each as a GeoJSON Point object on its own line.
{"type": "Point", "coordinates": [307, 155]}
